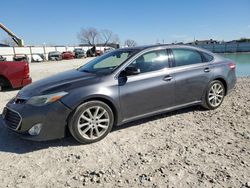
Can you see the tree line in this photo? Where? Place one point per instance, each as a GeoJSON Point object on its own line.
{"type": "Point", "coordinates": [90, 36]}
{"type": "Point", "coordinates": [93, 36]}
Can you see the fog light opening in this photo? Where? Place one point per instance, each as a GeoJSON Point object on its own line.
{"type": "Point", "coordinates": [35, 130]}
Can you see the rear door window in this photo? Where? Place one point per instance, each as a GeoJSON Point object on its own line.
{"type": "Point", "coordinates": [184, 57]}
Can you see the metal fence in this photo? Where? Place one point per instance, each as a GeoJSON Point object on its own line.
{"type": "Point", "coordinates": [226, 47]}
{"type": "Point", "coordinates": [9, 52]}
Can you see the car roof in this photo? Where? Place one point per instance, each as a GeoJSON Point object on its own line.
{"type": "Point", "coordinates": [140, 48]}
{"type": "Point", "coordinates": [54, 52]}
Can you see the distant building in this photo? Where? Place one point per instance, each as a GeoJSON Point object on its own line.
{"type": "Point", "coordinates": [177, 43]}
{"type": "Point", "coordinates": [201, 42]}
{"type": "Point", "coordinates": [232, 41]}
{"type": "Point", "coordinates": [4, 45]}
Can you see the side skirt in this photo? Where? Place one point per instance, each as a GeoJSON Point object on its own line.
{"type": "Point", "coordinates": [160, 112]}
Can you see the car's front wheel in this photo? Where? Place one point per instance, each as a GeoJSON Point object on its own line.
{"type": "Point", "coordinates": [91, 122]}
{"type": "Point", "coordinates": [214, 95]}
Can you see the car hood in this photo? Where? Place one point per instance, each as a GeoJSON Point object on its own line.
{"type": "Point", "coordinates": [64, 81]}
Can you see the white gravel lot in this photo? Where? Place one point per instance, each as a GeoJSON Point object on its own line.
{"type": "Point", "coordinates": [186, 148]}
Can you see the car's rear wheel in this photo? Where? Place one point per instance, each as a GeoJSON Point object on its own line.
{"type": "Point", "coordinates": [214, 95]}
{"type": "Point", "coordinates": [91, 122]}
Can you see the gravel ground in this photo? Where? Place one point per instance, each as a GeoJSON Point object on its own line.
{"type": "Point", "coordinates": [185, 148]}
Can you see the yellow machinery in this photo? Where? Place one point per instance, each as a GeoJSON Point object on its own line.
{"type": "Point", "coordinates": [17, 40]}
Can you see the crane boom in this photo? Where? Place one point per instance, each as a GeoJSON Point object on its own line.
{"type": "Point", "coordinates": [17, 40]}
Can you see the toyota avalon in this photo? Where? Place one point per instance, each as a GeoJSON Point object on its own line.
{"type": "Point", "coordinates": [118, 87]}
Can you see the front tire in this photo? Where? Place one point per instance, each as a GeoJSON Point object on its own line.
{"type": "Point", "coordinates": [214, 95]}
{"type": "Point", "coordinates": [91, 122]}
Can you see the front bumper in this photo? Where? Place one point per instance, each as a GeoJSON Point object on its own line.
{"type": "Point", "coordinates": [53, 118]}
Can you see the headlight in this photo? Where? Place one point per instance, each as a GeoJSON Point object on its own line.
{"type": "Point", "coordinates": [46, 99]}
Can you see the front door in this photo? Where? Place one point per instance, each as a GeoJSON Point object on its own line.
{"type": "Point", "coordinates": [148, 91]}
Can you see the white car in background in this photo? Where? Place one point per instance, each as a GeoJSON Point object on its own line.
{"type": "Point", "coordinates": [37, 57]}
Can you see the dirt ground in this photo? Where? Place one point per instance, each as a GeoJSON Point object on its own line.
{"type": "Point", "coordinates": [185, 148]}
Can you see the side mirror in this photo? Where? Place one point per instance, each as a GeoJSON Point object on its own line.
{"type": "Point", "coordinates": [132, 71]}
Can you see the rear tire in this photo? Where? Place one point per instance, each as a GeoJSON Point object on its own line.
{"type": "Point", "coordinates": [214, 95]}
{"type": "Point", "coordinates": [91, 122]}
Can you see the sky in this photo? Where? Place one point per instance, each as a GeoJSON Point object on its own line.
{"type": "Point", "coordinates": [57, 22]}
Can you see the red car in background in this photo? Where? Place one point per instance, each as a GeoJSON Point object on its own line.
{"type": "Point", "coordinates": [68, 55]}
{"type": "Point", "coordinates": [14, 74]}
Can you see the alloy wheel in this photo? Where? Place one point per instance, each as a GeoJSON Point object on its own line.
{"type": "Point", "coordinates": [93, 122]}
{"type": "Point", "coordinates": [216, 94]}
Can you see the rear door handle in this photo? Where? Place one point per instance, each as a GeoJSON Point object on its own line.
{"type": "Point", "coordinates": [207, 69]}
{"type": "Point", "coordinates": [167, 78]}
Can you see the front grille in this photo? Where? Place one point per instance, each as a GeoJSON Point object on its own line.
{"type": "Point", "coordinates": [12, 119]}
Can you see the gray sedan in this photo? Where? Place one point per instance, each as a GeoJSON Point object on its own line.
{"type": "Point", "coordinates": [118, 87]}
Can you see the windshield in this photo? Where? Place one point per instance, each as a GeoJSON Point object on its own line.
{"type": "Point", "coordinates": [54, 53]}
{"type": "Point", "coordinates": [107, 63]}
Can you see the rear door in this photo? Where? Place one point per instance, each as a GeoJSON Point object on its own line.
{"type": "Point", "coordinates": [191, 73]}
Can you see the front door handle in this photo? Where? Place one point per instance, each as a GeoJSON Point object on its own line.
{"type": "Point", "coordinates": [207, 69]}
{"type": "Point", "coordinates": [167, 78]}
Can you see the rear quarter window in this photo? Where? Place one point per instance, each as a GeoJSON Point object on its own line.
{"type": "Point", "coordinates": [207, 57]}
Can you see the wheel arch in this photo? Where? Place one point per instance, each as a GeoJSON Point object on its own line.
{"type": "Point", "coordinates": [108, 102]}
{"type": "Point", "coordinates": [6, 80]}
{"type": "Point", "coordinates": [103, 99]}
{"type": "Point", "coordinates": [221, 79]}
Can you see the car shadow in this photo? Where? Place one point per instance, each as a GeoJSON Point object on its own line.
{"type": "Point", "coordinates": [11, 143]}
{"type": "Point", "coordinates": [9, 89]}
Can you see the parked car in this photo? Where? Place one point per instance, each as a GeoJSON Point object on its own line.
{"type": "Point", "coordinates": [68, 55]}
{"type": "Point", "coordinates": [118, 87]}
{"type": "Point", "coordinates": [37, 57]}
{"type": "Point", "coordinates": [2, 58]}
{"type": "Point", "coordinates": [98, 52]}
{"type": "Point", "coordinates": [106, 50]}
{"type": "Point", "coordinates": [14, 74]}
{"type": "Point", "coordinates": [21, 57]}
{"type": "Point", "coordinates": [79, 53]}
{"type": "Point", "coordinates": [54, 56]}
{"type": "Point", "coordinates": [91, 52]}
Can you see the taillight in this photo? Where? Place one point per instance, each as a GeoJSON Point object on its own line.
{"type": "Point", "coordinates": [232, 65]}
{"type": "Point", "coordinates": [26, 70]}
